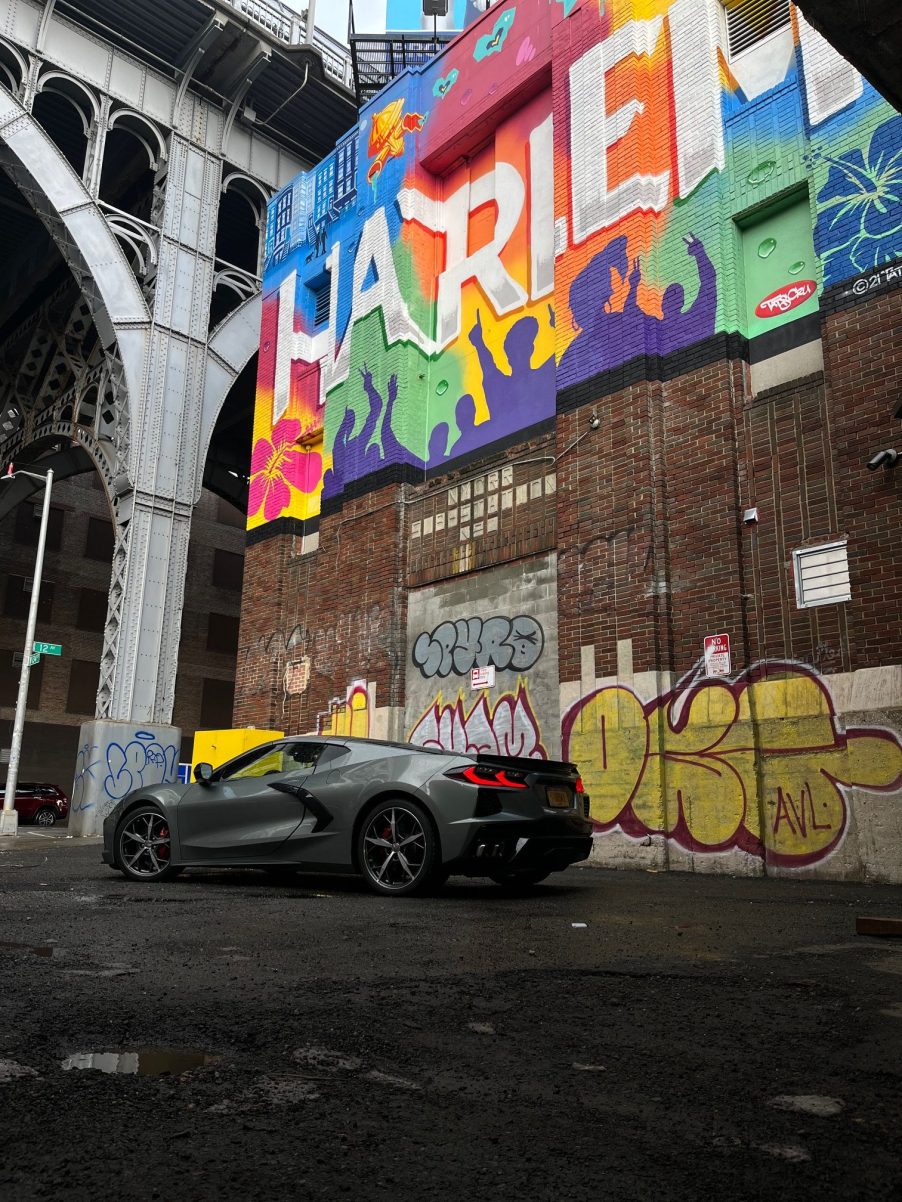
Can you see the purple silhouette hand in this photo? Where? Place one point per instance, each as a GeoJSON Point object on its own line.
{"type": "Point", "coordinates": [694, 245]}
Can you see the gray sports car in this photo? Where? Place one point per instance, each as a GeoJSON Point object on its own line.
{"type": "Point", "coordinates": [403, 817]}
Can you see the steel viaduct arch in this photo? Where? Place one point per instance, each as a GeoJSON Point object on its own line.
{"type": "Point", "coordinates": [142, 410]}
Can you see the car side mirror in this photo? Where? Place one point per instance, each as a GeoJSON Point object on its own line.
{"type": "Point", "coordinates": [203, 773]}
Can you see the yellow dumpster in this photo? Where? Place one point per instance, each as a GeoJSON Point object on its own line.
{"type": "Point", "coordinates": [216, 746]}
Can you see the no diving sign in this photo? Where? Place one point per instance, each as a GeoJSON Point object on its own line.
{"type": "Point", "coordinates": [717, 655]}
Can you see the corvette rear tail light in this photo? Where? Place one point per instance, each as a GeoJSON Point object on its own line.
{"type": "Point", "coordinates": [579, 785]}
{"type": "Point", "coordinates": [490, 778]}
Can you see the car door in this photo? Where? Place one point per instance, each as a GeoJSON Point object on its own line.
{"type": "Point", "coordinates": [239, 817]}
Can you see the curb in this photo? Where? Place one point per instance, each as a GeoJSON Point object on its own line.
{"type": "Point", "coordinates": [32, 841]}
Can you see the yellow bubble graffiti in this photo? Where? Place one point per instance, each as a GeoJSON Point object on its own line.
{"type": "Point", "coordinates": [348, 717]}
{"type": "Point", "coordinates": [760, 763]}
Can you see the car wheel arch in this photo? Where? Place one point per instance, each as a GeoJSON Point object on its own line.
{"type": "Point", "coordinates": [399, 795]}
{"type": "Point", "coordinates": [133, 805]}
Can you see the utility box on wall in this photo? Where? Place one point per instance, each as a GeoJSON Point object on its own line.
{"type": "Point", "coordinates": [217, 746]}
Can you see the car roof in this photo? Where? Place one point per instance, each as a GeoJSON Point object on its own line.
{"type": "Point", "coordinates": [355, 740]}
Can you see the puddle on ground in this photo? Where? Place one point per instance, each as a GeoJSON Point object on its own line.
{"type": "Point", "coordinates": [45, 950]}
{"type": "Point", "coordinates": [10, 1069]}
{"type": "Point", "coordinates": [808, 1103]}
{"type": "Point", "coordinates": [143, 1062]}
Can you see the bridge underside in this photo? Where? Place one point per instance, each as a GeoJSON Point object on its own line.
{"type": "Point", "coordinates": [297, 92]}
{"type": "Point", "coordinates": [49, 344]}
{"type": "Point", "coordinates": [868, 33]}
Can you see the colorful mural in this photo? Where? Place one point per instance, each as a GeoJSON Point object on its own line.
{"type": "Point", "coordinates": [759, 763]}
{"type": "Point", "coordinates": [860, 204]}
{"type": "Point", "coordinates": [505, 223]}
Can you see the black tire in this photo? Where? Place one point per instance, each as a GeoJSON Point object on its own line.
{"type": "Point", "coordinates": [397, 849]}
{"type": "Point", "coordinates": [45, 817]}
{"type": "Point", "coordinates": [143, 846]}
{"type": "Point", "coordinates": [517, 882]}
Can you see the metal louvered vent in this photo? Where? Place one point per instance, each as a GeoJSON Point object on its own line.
{"type": "Point", "coordinates": [321, 297]}
{"type": "Point", "coordinates": [751, 21]}
{"type": "Point", "coordinates": [822, 575]}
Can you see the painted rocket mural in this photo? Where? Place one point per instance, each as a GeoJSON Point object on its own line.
{"type": "Point", "coordinates": [570, 186]}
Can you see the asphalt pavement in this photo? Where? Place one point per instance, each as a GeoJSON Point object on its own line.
{"type": "Point", "coordinates": [610, 1036]}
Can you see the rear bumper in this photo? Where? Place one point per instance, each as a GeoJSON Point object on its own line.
{"type": "Point", "coordinates": [550, 844]}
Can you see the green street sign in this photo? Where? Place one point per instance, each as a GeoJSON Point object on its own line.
{"type": "Point", "coordinates": [48, 648]}
{"type": "Point", "coordinates": [33, 659]}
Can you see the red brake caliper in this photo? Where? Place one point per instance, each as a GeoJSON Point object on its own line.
{"type": "Point", "coordinates": [163, 848]}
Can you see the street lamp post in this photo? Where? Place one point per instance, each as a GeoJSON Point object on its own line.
{"type": "Point", "coordinates": [9, 819]}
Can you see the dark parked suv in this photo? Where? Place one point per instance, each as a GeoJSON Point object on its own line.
{"type": "Point", "coordinates": [44, 805]}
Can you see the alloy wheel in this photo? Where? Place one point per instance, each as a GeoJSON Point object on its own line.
{"type": "Point", "coordinates": [145, 846]}
{"type": "Point", "coordinates": [45, 818]}
{"type": "Point", "coordinates": [396, 849]}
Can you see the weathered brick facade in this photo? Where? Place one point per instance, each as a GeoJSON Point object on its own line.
{"type": "Point", "coordinates": [73, 610]}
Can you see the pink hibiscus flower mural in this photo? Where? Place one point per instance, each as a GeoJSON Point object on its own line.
{"type": "Point", "coordinates": [279, 465]}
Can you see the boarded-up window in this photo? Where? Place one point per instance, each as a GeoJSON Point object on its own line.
{"type": "Point", "coordinates": [822, 575]}
{"type": "Point", "coordinates": [17, 601]}
{"type": "Point", "coordinates": [92, 606]}
{"type": "Point", "coordinates": [216, 704]}
{"type": "Point", "coordinates": [83, 680]}
{"type": "Point", "coordinates": [28, 525]}
{"type": "Point", "coordinates": [228, 569]}
{"type": "Point", "coordinates": [99, 543]}
{"type": "Point", "coordinates": [222, 633]}
{"type": "Point", "coordinates": [10, 672]}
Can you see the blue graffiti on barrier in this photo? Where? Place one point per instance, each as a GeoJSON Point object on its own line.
{"type": "Point", "coordinates": [84, 770]}
{"type": "Point", "coordinates": [142, 761]}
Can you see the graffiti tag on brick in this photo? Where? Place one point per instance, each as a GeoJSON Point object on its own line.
{"type": "Point", "coordinates": [457, 647]}
{"type": "Point", "coordinates": [868, 283]}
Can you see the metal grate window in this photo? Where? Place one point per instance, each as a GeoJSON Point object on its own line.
{"type": "Point", "coordinates": [751, 21]}
{"type": "Point", "coordinates": [822, 575]}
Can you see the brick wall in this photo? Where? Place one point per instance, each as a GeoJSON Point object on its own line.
{"type": "Point", "coordinates": [863, 359]}
{"type": "Point", "coordinates": [652, 545]}
{"type": "Point", "coordinates": [334, 615]}
{"type": "Point", "coordinates": [499, 509]}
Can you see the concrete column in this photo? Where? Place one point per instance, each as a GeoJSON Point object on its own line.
{"type": "Point", "coordinates": [114, 759]}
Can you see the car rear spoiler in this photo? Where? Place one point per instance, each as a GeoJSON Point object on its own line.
{"type": "Point", "coordinates": [523, 763]}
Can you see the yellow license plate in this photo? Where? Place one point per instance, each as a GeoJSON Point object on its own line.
{"type": "Point", "coordinates": [560, 798]}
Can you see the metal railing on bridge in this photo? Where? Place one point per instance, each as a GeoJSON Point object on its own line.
{"type": "Point", "coordinates": [288, 26]}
